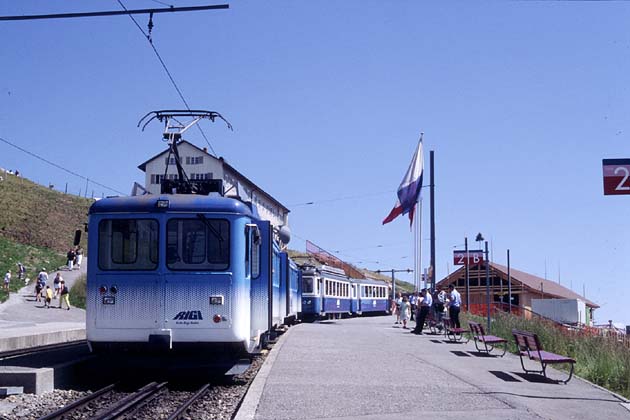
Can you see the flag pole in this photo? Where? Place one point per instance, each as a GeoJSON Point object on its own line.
{"type": "Point", "coordinates": [419, 243]}
{"type": "Point", "coordinates": [415, 253]}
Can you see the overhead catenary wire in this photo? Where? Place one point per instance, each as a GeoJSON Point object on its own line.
{"type": "Point", "coordinates": [60, 167]}
{"type": "Point", "coordinates": [168, 73]}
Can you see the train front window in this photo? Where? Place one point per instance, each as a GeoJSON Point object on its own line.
{"type": "Point", "coordinates": [307, 285]}
{"type": "Point", "coordinates": [198, 244]}
{"type": "Point", "coordinates": [128, 244]}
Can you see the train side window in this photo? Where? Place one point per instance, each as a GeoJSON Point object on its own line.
{"type": "Point", "coordinates": [252, 250]}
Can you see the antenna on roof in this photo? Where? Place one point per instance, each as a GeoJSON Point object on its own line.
{"type": "Point", "coordinates": [173, 130]}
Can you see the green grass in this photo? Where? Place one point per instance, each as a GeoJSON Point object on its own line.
{"type": "Point", "coordinates": [35, 215]}
{"type": "Point", "coordinates": [79, 292]}
{"type": "Point", "coordinates": [33, 257]}
{"type": "Point", "coordinates": [601, 360]}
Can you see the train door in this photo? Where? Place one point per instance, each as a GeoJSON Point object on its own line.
{"type": "Point", "coordinates": [261, 282]}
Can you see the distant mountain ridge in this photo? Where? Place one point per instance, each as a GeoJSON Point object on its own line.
{"type": "Point", "coordinates": [35, 215]}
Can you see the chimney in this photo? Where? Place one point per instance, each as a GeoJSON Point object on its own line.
{"type": "Point", "coordinates": [205, 150]}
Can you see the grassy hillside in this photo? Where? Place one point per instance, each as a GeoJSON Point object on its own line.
{"type": "Point", "coordinates": [33, 258]}
{"type": "Point", "coordinates": [37, 227]}
{"type": "Point", "coordinates": [34, 215]}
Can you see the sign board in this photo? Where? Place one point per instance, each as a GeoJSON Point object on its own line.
{"type": "Point", "coordinates": [475, 256]}
{"type": "Point", "coordinates": [616, 176]}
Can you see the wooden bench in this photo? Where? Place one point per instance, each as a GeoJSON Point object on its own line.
{"type": "Point", "coordinates": [490, 342]}
{"type": "Point", "coordinates": [529, 345]}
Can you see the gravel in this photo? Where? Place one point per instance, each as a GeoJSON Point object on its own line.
{"type": "Point", "coordinates": [220, 402]}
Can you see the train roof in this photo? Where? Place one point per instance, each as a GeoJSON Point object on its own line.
{"type": "Point", "coordinates": [370, 281]}
{"type": "Point", "coordinates": [177, 203]}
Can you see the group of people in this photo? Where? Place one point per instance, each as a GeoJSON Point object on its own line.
{"type": "Point", "coordinates": [44, 292]}
{"type": "Point", "coordinates": [74, 258]}
{"type": "Point", "coordinates": [425, 303]}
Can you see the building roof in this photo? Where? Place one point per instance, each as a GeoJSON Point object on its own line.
{"type": "Point", "coordinates": [256, 188]}
{"type": "Point", "coordinates": [530, 281]}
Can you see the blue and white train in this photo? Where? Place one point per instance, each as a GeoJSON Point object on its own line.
{"type": "Point", "coordinates": [177, 272]}
{"type": "Point", "coordinates": [328, 292]}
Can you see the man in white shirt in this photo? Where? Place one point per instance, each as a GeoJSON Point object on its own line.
{"type": "Point", "coordinates": [455, 302]}
{"type": "Point", "coordinates": [424, 304]}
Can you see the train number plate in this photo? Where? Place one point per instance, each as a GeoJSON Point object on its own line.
{"type": "Point", "coordinates": [109, 300]}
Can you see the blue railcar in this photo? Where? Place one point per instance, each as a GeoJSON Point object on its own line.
{"type": "Point", "coordinates": [326, 292]}
{"type": "Point", "coordinates": [373, 297]}
{"type": "Point", "coordinates": [291, 289]}
{"type": "Point", "coordinates": [177, 272]}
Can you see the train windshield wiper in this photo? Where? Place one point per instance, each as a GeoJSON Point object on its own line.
{"type": "Point", "coordinates": [211, 228]}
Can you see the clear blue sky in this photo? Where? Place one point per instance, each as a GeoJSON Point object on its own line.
{"type": "Point", "coordinates": [519, 100]}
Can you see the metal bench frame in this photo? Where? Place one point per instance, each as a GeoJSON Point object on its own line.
{"type": "Point", "coordinates": [455, 334]}
{"type": "Point", "coordinates": [529, 345]}
{"type": "Point", "coordinates": [490, 342]}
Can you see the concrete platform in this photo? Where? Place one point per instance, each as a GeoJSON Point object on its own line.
{"type": "Point", "coordinates": [367, 368]}
{"type": "Point", "coordinates": [33, 381]}
{"type": "Point", "coordinates": [26, 323]}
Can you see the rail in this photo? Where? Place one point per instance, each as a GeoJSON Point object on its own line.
{"type": "Point", "coordinates": [61, 413]}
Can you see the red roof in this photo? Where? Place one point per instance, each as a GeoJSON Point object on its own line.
{"type": "Point", "coordinates": [530, 281]}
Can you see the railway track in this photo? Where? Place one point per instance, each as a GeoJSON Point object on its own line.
{"type": "Point", "coordinates": [109, 404]}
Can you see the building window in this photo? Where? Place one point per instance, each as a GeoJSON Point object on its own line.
{"type": "Point", "coordinates": [156, 178]}
{"type": "Point", "coordinates": [194, 160]}
{"type": "Point", "coordinates": [169, 160]}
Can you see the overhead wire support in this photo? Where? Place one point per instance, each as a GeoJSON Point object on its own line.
{"type": "Point", "coordinates": [117, 12]}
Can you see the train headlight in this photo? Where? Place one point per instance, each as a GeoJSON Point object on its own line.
{"type": "Point", "coordinates": [216, 318]}
{"type": "Point", "coordinates": [113, 289]}
{"type": "Point", "coordinates": [102, 289]}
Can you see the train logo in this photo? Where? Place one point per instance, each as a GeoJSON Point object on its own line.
{"type": "Point", "coordinates": [189, 315]}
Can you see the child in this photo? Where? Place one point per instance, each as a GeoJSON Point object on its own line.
{"type": "Point", "coordinates": [49, 296]}
{"type": "Point", "coordinates": [7, 280]}
{"type": "Point", "coordinates": [405, 308]}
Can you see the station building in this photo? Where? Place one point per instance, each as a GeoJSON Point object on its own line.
{"type": "Point", "coordinates": [527, 290]}
{"type": "Point", "coordinates": [198, 164]}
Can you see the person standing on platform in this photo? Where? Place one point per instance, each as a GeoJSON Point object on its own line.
{"type": "Point", "coordinates": [413, 301]}
{"type": "Point", "coordinates": [455, 302]}
{"type": "Point", "coordinates": [440, 305]}
{"type": "Point", "coordinates": [7, 281]}
{"type": "Point", "coordinates": [65, 295]}
{"type": "Point", "coordinates": [424, 304]}
{"type": "Point", "coordinates": [70, 256]}
{"type": "Point", "coordinates": [405, 309]}
{"type": "Point", "coordinates": [397, 304]}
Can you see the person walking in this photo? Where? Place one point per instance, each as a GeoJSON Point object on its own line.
{"type": "Point", "coordinates": [57, 284]}
{"type": "Point", "coordinates": [21, 271]}
{"type": "Point", "coordinates": [454, 304]}
{"type": "Point", "coordinates": [425, 302]}
{"type": "Point", "coordinates": [7, 281]}
{"type": "Point", "coordinates": [42, 279]}
{"type": "Point", "coordinates": [70, 257]}
{"type": "Point", "coordinates": [79, 256]}
{"type": "Point", "coordinates": [49, 296]}
{"type": "Point", "coordinates": [65, 295]}
{"type": "Point", "coordinates": [397, 304]}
